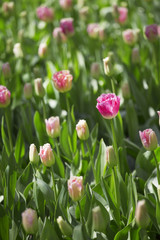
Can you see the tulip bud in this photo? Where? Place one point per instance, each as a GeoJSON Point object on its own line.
{"type": "Point", "coordinates": [93, 29]}
{"type": "Point", "coordinates": [135, 55]}
{"type": "Point", "coordinates": [42, 50]}
{"type": "Point", "coordinates": [108, 63]}
{"type": "Point", "coordinates": [17, 50]}
{"type": "Point", "coordinates": [82, 130]}
{"type": "Point", "coordinates": [67, 26]}
{"type": "Point", "coordinates": [53, 127]}
{"type": "Point", "coordinates": [130, 36]}
{"type": "Point", "coordinates": [6, 70]}
{"type": "Point", "coordinates": [99, 219]}
{"type": "Point", "coordinates": [120, 13]}
{"type": "Point", "coordinates": [65, 228]}
{"type": "Point", "coordinates": [45, 14]}
{"type": "Point", "coordinates": [27, 90]}
{"type": "Point", "coordinates": [159, 116]}
{"type": "Point", "coordinates": [63, 80]}
{"type": "Point", "coordinates": [83, 12]}
{"type": "Point", "coordinates": [7, 8]}
{"type": "Point", "coordinates": [75, 187]}
{"type": "Point", "coordinates": [141, 214]}
{"type": "Point", "coordinates": [126, 90]}
{"type": "Point", "coordinates": [59, 35]}
{"type": "Point", "coordinates": [158, 191]}
{"type": "Point", "coordinates": [39, 89]}
{"type": "Point", "coordinates": [149, 139]}
{"type": "Point", "coordinates": [33, 154]}
{"type": "Point", "coordinates": [151, 32]}
{"type": "Point", "coordinates": [5, 96]}
{"type": "Point", "coordinates": [95, 70]}
{"type": "Point", "coordinates": [111, 157]}
{"type": "Point", "coordinates": [30, 221]}
{"type": "Point", "coordinates": [46, 155]}
{"type": "Point", "coordinates": [65, 4]}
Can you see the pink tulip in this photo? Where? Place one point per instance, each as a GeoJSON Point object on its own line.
{"type": "Point", "coordinates": [53, 127]}
{"type": "Point", "coordinates": [151, 32]}
{"type": "Point", "coordinates": [59, 35]}
{"type": "Point", "coordinates": [5, 96]}
{"type": "Point", "coordinates": [130, 36]}
{"type": "Point", "coordinates": [30, 221]}
{"type": "Point", "coordinates": [45, 14]}
{"type": "Point", "coordinates": [67, 26]}
{"type": "Point", "coordinates": [93, 29]}
{"type": "Point", "coordinates": [65, 4]}
{"type": "Point", "coordinates": [120, 13]}
{"type": "Point", "coordinates": [42, 50]}
{"type": "Point", "coordinates": [75, 187]}
{"type": "Point", "coordinates": [6, 69]}
{"type": "Point", "coordinates": [108, 105]}
{"type": "Point", "coordinates": [82, 130]}
{"type": "Point", "coordinates": [62, 80]}
{"type": "Point", "coordinates": [148, 139]}
{"type": "Point", "coordinates": [46, 155]}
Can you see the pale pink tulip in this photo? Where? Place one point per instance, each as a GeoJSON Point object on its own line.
{"type": "Point", "coordinates": [62, 80]}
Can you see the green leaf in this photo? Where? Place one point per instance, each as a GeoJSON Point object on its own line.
{"type": "Point", "coordinates": [48, 231]}
{"type": "Point", "coordinates": [101, 161]}
{"type": "Point", "coordinates": [5, 138]}
{"type": "Point", "coordinates": [4, 224]}
{"type": "Point", "coordinates": [40, 128]}
{"type": "Point", "coordinates": [64, 140]}
{"type": "Point", "coordinates": [19, 147]}
{"type": "Point", "coordinates": [123, 193]}
{"type": "Point", "coordinates": [123, 234]}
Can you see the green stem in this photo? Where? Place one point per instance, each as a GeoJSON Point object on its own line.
{"type": "Point", "coordinates": [82, 148]}
{"type": "Point", "coordinates": [115, 186]}
{"type": "Point", "coordinates": [112, 84]}
{"type": "Point", "coordinates": [115, 142]}
{"type": "Point", "coordinates": [9, 130]}
{"type": "Point", "coordinates": [157, 165]}
{"type": "Point", "coordinates": [80, 210]}
{"type": "Point", "coordinates": [91, 160]}
{"type": "Point", "coordinates": [44, 109]}
{"type": "Point", "coordinates": [57, 148]}
{"type": "Point", "coordinates": [54, 185]}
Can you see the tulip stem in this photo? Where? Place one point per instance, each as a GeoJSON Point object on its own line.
{"type": "Point", "coordinates": [80, 210]}
{"type": "Point", "coordinates": [91, 160]}
{"type": "Point", "coordinates": [44, 109]}
{"type": "Point", "coordinates": [112, 84]}
{"type": "Point", "coordinates": [9, 130]}
{"type": "Point", "coordinates": [54, 185]}
{"type": "Point", "coordinates": [115, 142]}
{"type": "Point", "coordinates": [157, 165]}
{"type": "Point", "coordinates": [115, 186]}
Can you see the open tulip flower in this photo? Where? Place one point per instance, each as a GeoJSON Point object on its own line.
{"type": "Point", "coordinates": [63, 80]}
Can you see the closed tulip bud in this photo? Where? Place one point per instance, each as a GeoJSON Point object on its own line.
{"type": "Point", "coordinates": [149, 139]}
{"type": "Point", "coordinates": [39, 89]}
{"type": "Point", "coordinates": [82, 130]}
{"type": "Point", "coordinates": [17, 50]}
{"type": "Point", "coordinates": [65, 4]}
{"type": "Point", "coordinates": [84, 12]}
{"type": "Point", "coordinates": [151, 32]}
{"type": "Point", "coordinates": [126, 90]}
{"type": "Point", "coordinates": [75, 188]}
{"type": "Point", "coordinates": [53, 127]}
{"type": "Point", "coordinates": [65, 228]}
{"type": "Point", "coordinates": [111, 157]}
{"type": "Point", "coordinates": [99, 219]}
{"type": "Point", "coordinates": [130, 36]}
{"type": "Point", "coordinates": [30, 221]}
{"type": "Point", "coordinates": [46, 155]}
{"type": "Point", "coordinates": [6, 70]}
{"type": "Point", "coordinates": [120, 13]}
{"type": "Point", "coordinates": [108, 63]}
{"type": "Point", "coordinates": [45, 14]}
{"type": "Point", "coordinates": [42, 50]}
{"type": "Point", "coordinates": [141, 214]}
{"type": "Point", "coordinates": [67, 26]}
{"type": "Point", "coordinates": [135, 55]}
{"type": "Point", "coordinates": [33, 154]}
{"type": "Point", "coordinates": [63, 80]}
{"type": "Point", "coordinates": [93, 29]}
{"type": "Point", "coordinates": [59, 35]}
{"type": "Point", "coordinates": [5, 97]}
{"type": "Point", "coordinates": [27, 90]}
{"type": "Point", "coordinates": [7, 8]}
{"type": "Point", "coordinates": [158, 191]}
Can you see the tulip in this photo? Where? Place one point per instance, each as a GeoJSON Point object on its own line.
{"type": "Point", "coordinates": [108, 105]}
{"type": "Point", "coordinates": [159, 116]}
{"type": "Point", "coordinates": [63, 80]}
{"type": "Point", "coordinates": [151, 32]}
{"type": "Point", "coordinates": [30, 221]}
{"type": "Point", "coordinates": [149, 139]}
{"type": "Point", "coordinates": [65, 228]}
{"type": "Point", "coordinates": [111, 157]}
{"type": "Point", "coordinates": [82, 130]}
{"type": "Point", "coordinates": [141, 214]}
{"type": "Point", "coordinates": [93, 29]}
{"type": "Point", "coordinates": [67, 26]}
{"type": "Point", "coordinates": [33, 154]}
{"type": "Point", "coordinates": [83, 12]}
{"type": "Point", "coordinates": [108, 64]}
{"type": "Point", "coordinates": [59, 35]}
{"type": "Point", "coordinates": [27, 90]}
{"type": "Point", "coordinates": [45, 14]}
{"type": "Point", "coordinates": [95, 69]}
{"type": "Point", "coordinates": [130, 36]}
{"type": "Point", "coordinates": [53, 127]}
{"type": "Point", "coordinates": [39, 89]}
{"type": "Point", "coordinates": [17, 50]}
{"type": "Point", "coordinates": [99, 219]}
{"type": "Point", "coordinates": [65, 4]}
{"type": "Point", "coordinates": [120, 13]}
{"type": "Point", "coordinates": [7, 8]}
{"type": "Point", "coordinates": [75, 188]}
{"type": "Point", "coordinates": [46, 155]}
{"type": "Point", "coordinates": [6, 69]}
{"type": "Point", "coordinates": [42, 50]}
{"type": "Point", "coordinates": [5, 96]}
